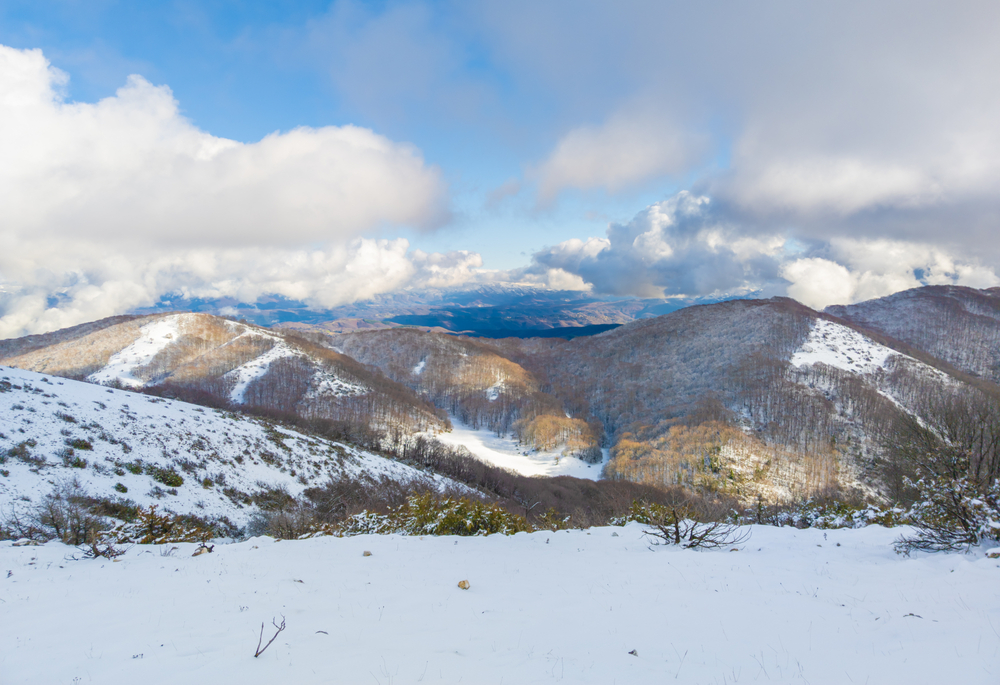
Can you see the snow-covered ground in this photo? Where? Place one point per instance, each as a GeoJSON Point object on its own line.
{"type": "Point", "coordinates": [596, 606]}
{"type": "Point", "coordinates": [841, 347]}
{"type": "Point", "coordinates": [507, 453]}
{"type": "Point", "coordinates": [118, 434]}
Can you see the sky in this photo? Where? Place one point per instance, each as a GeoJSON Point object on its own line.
{"type": "Point", "coordinates": [333, 151]}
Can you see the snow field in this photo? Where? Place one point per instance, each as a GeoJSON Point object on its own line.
{"type": "Point", "coordinates": [153, 338]}
{"type": "Point", "coordinates": [791, 606]}
{"type": "Point", "coordinates": [841, 347]}
{"type": "Point", "coordinates": [506, 453]}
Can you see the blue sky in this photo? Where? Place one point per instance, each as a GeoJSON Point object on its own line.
{"type": "Point", "coordinates": [635, 148]}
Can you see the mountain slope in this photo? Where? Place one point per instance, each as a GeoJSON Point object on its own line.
{"type": "Point", "coordinates": [235, 363]}
{"type": "Point", "coordinates": [469, 379]}
{"type": "Point", "coordinates": [760, 398]}
{"type": "Point", "coordinates": [183, 457]}
{"type": "Point", "coordinates": [957, 324]}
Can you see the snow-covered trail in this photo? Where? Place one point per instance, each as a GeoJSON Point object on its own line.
{"type": "Point", "coordinates": [790, 606]}
{"type": "Point", "coordinates": [506, 453]}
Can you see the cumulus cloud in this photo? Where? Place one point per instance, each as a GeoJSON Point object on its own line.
{"type": "Point", "coordinates": [857, 270]}
{"type": "Point", "coordinates": [678, 246]}
{"type": "Point", "coordinates": [107, 206]}
{"type": "Point", "coordinates": [632, 146]}
{"type": "Point", "coordinates": [853, 118]}
{"type": "Point", "coordinates": [131, 167]}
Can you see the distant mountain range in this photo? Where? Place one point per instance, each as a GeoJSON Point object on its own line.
{"type": "Point", "coordinates": [485, 311]}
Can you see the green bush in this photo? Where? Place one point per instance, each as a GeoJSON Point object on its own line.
{"type": "Point", "coordinates": [426, 514]}
{"type": "Point", "coordinates": [153, 528]}
{"type": "Point", "coordinates": [120, 487]}
{"type": "Point", "coordinates": [167, 476]}
{"type": "Point", "coordinates": [80, 444]}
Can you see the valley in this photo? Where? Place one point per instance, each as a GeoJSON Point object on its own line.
{"type": "Point", "coordinates": [759, 400]}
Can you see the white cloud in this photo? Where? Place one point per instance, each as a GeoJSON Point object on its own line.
{"type": "Point", "coordinates": [130, 167]}
{"type": "Point", "coordinates": [632, 146]}
{"type": "Point", "coordinates": [860, 270]}
{"type": "Point", "coordinates": [674, 247]}
{"type": "Point", "coordinates": [687, 245]}
{"type": "Point", "coordinates": [108, 206]}
{"type": "Point", "coordinates": [67, 293]}
{"type": "Point", "coordinates": [818, 283]}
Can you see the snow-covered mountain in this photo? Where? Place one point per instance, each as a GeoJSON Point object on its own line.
{"type": "Point", "coordinates": [183, 457]}
{"type": "Point", "coordinates": [757, 397]}
{"type": "Point", "coordinates": [235, 363]}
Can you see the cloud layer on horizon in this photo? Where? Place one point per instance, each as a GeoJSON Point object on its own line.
{"type": "Point", "coordinates": [688, 245]}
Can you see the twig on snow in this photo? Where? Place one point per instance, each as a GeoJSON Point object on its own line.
{"type": "Point", "coordinates": [261, 639]}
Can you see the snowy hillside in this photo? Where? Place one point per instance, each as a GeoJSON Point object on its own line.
{"type": "Point", "coordinates": [595, 606]}
{"type": "Point", "coordinates": [841, 347]}
{"type": "Point", "coordinates": [185, 458]}
{"type": "Point", "coordinates": [233, 362]}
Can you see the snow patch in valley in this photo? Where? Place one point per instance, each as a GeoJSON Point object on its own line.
{"type": "Point", "coordinates": [419, 368]}
{"type": "Point", "coordinates": [578, 606]}
{"type": "Point", "coordinates": [841, 347]}
{"type": "Point", "coordinates": [153, 338]}
{"type": "Point", "coordinates": [506, 453]}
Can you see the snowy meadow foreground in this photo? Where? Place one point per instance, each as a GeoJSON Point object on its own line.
{"type": "Point", "coordinates": [580, 606]}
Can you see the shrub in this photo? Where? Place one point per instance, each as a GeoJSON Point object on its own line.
{"type": "Point", "coordinates": [166, 476]}
{"type": "Point", "coordinates": [65, 514]}
{"type": "Point", "coordinates": [80, 444]}
{"type": "Point", "coordinates": [151, 527]}
{"type": "Point", "coordinates": [824, 512]}
{"type": "Point", "coordinates": [429, 515]}
{"type": "Point", "coordinates": [952, 514]}
{"type": "Point", "coordinates": [677, 526]}
{"type": "Point", "coordinates": [21, 451]}
{"type": "Point", "coordinates": [120, 487]}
